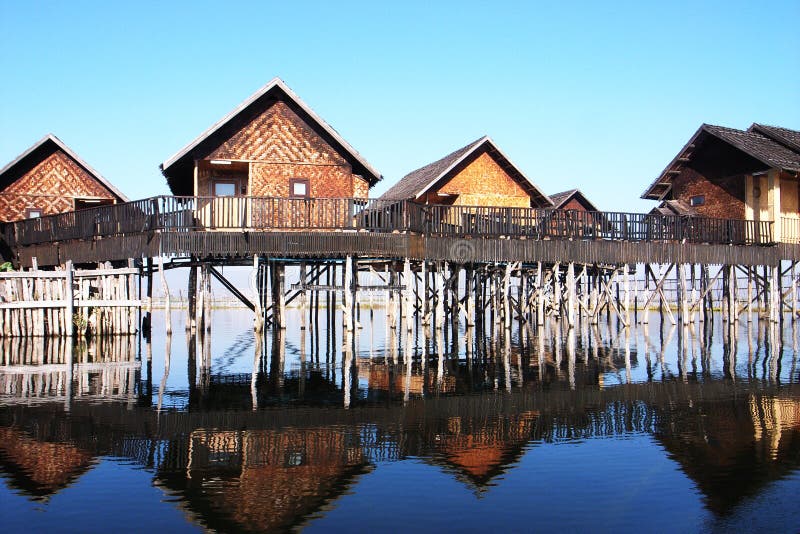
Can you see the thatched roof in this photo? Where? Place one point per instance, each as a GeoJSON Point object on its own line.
{"type": "Point", "coordinates": [417, 183]}
{"type": "Point", "coordinates": [40, 150]}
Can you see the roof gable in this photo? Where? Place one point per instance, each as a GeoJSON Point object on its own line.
{"type": "Point", "coordinates": [38, 152]}
{"type": "Point", "coordinates": [756, 152]}
{"type": "Point", "coordinates": [562, 198]}
{"type": "Point", "coordinates": [180, 165]}
{"type": "Point", "coordinates": [418, 182]}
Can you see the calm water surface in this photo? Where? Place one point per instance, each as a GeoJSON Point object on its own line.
{"type": "Point", "coordinates": [602, 428]}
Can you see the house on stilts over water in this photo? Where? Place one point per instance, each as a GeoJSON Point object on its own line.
{"type": "Point", "coordinates": [271, 162]}
{"type": "Point", "coordinates": [726, 173]}
{"type": "Point", "coordinates": [479, 174]}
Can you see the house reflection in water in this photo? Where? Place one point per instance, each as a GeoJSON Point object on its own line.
{"type": "Point", "coordinates": [732, 450]}
{"type": "Point", "coordinates": [479, 451]}
{"type": "Point", "coordinates": [40, 468]}
{"type": "Point", "coordinates": [277, 467]}
{"type": "Point", "coordinates": [257, 480]}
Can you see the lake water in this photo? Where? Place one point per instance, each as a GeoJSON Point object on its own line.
{"type": "Point", "coordinates": [655, 428]}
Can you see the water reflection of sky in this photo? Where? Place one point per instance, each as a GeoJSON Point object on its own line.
{"type": "Point", "coordinates": [609, 430]}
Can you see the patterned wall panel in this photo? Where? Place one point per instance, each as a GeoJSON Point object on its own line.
{"type": "Point", "coordinates": [51, 186]}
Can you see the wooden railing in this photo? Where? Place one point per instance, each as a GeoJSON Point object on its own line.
{"type": "Point", "coordinates": [182, 214]}
{"type": "Point", "coordinates": [790, 230]}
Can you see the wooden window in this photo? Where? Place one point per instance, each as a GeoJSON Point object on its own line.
{"type": "Point", "coordinates": [224, 188]}
{"type": "Point", "coordinates": [33, 213]}
{"type": "Point", "coordinates": [697, 200]}
{"type": "Point", "coordinates": [299, 188]}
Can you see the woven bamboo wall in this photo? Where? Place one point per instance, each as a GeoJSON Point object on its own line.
{"type": "Point", "coordinates": [280, 146]}
{"type": "Point", "coordinates": [483, 183]}
{"type": "Point", "coordinates": [51, 186]}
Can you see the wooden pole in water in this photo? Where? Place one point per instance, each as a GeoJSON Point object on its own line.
{"type": "Point", "coordinates": [749, 294]}
{"type": "Point", "coordinates": [626, 293]}
{"type": "Point", "coordinates": [165, 289]}
{"type": "Point", "coordinates": [469, 289]}
{"type": "Point", "coordinates": [70, 297]}
{"type": "Point", "coordinates": [683, 306]}
{"type": "Point", "coordinates": [507, 297]}
{"type": "Point", "coordinates": [192, 299]}
{"type": "Point", "coordinates": [775, 294]}
{"type": "Point", "coordinates": [571, 294]}
{"type": "Point", "coordinates": [557, 289]}
{"type": "Point", "coordinates": [539, 295]}
{"type": "Point", "coordinates": [648, 269]}
{"type": "Point", "coordinates": [281, 279]}
{"type": "Point", "coordinates": [732, 301]}
{"type": "Point", "coordinates": [793, 279]}
{"type": "Point", "coordinates": [407, 294]}
{"type": "Point", "coordinates": [303, 298]}
{"type": "Point", "coordinates": [347, 312]}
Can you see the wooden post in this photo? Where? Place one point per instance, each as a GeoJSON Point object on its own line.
{"type": "Point", "coordinates": [192, 299]}
{"type": "Point", "coordinates": [571, 294]}
{"type": "Point", "coordinates": [626, 292]}
{"type": "Point", "coordinates": [303, 303]}
{"type": "Point", "coordinates": [425, 300]}
{"type": "Point", "coordinates": [646, 297]}
{"type": "Point", "coordinates": [407, 294]}
{"type": "Point", "coordinates": [557, 289]}
{"type": "Point", "coordinates": [469, 288]}
{"type": "Point", "coordinates": [726, 293]}
{"type": "Point", "coordinates": [70, 297]}
{"type": "Point", "coordinates": [347, 312]}
{"type": "Point", "coordinates": [749, 294]}
{"type": "Point", "coordinates": [539, 295]}
{"type": "Point", "coordinates": [774, 293]}
{"type": "Point", "coordinates": [256, 289]}
{"type": "Point", "coordinates": [732, 301]}
{"type": "Point", "coordinates": [165, 289]}
{"type": "Point", "coordinates": [793, 279]}
{"type": "Point", "coordinates": [507, 298]}
{"type": "Point", "coordinates": [682, 301]}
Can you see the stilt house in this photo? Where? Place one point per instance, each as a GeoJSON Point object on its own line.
{"type": "Point", "coordinates": [742, 174]}
{"type": "Point", "coordinates": [50, 178]}
{"type": "Point", "coordinates": [269, 161]}
{"type": "Point", "coordinates": [478, 174]}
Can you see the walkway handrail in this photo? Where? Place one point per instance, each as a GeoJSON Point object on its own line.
{"type": "Point", "coordinates": [246, 214]}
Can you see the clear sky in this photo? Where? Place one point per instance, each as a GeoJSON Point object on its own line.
{"type": "Point", "coordinates": [595, 95]}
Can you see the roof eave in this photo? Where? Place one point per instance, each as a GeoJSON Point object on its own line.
{"type": "Point", "coordinates": [648, 193]}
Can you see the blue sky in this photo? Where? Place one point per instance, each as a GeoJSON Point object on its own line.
{"type": "Point", "coordinates": [595, 95]}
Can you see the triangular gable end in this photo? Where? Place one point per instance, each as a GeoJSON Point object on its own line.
{"type": "Point", "coordinates": [179, 167]}
{"type": "Point", "coordinates": [754, 150]}
{"type": "Point", "coordinates": [471, 152]}
{"type": "Point", "coordinates": [42, 149]}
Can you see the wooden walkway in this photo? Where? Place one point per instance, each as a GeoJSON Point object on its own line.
{"type": "Point", "coordinates": [235, 229]}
